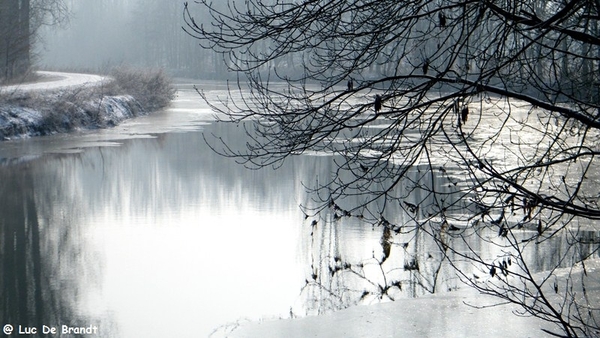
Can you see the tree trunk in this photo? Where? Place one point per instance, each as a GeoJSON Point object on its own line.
{"type": "Point", "coordinates": [15, 38]}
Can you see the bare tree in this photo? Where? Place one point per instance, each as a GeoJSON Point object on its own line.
{"type": "Point", "coordinates": [499, 101]}
{"type": "Point", "coordinates": [19, 23]}
{"type": "Point", "coordinates": [14, 38]}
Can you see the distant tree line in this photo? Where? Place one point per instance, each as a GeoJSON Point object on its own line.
{"type": "Point", "coordinates": [138, 33]}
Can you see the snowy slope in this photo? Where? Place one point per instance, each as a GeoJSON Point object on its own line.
{"type": "Point", "coordinates": [432, 316]}
{"type": "Point", "coordinates": [54, 81]}
{"type": "Point", "coordinates": [437, 315]}
{"type": "Point", "coordinates": [17, 121]}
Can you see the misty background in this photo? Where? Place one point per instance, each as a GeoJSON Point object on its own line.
{"type": "Point", "coordinates": [140, 33]}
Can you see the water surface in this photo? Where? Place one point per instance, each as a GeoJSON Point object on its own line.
{"type": "Point", "coordinates": [142, 230]}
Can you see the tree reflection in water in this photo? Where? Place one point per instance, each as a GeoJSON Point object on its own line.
{"type": "Point", "coordinates": [40, 258]}
{"type": "Point", "coordinates": [406, 253]}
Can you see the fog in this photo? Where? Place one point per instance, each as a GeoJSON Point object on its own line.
{"type": "Point", "coordinates": [139, 33]}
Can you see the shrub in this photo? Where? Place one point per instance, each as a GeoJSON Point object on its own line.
{"type": "Point", "coordinates": [152, 88]}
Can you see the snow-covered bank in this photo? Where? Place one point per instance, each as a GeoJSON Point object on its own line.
{"type": "Point", "coordinates": [431, 316]}
{"type": "Point", "coordinates": [438, 315]}
{"type": "Point", "coordinates": [18, 122]}
{"type": "Point", "coordinates": [62, 102]}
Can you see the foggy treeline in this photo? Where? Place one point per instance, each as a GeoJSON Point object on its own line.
{"type": "Point", "coordinates": [139, 33]}
{"type": "Point", "coordinates": [143, 33]}
{"type": "Point", "coordinates": [461, 39]}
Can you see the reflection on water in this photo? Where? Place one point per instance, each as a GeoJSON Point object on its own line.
{"type": "Point", "coordinates": [41, 261]}
{"type": "Point", "coordinates": [350, 263]}
{"type": "Point", "coordinates": [405, 254]}
{"type": "Point", "coordinates": [158, 236]}
{"type": "Point", "coordinates": [155, 230]}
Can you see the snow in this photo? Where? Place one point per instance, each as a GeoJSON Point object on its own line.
{"type": "Point", "coordinates": [438, 315]}
{"type": "Point", "coordinates": [55, 80]}
{"type": "Point", "coordinates": [431, 316]}
{"type": "Point", "coordinates": [18, 122]}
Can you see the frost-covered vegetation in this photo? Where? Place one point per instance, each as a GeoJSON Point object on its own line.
{"type": "Point", "coordinates": [129, 93]}
{"type": "Point", "coordinates": [151, 88]}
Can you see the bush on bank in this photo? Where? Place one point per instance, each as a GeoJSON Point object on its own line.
{"type": "Point", "coordinates": [152, 88]}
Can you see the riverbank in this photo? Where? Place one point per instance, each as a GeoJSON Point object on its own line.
{"type": "Point", "coordinates": [64, 102]}
{"type": "Point", "coordinates": [450, 314]}
{"type": "Point", "coordinates": [443, 315]}
{"type": "Point", "coordinates": [20, 122]}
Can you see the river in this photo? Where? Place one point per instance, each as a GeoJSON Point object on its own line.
{"type": "Point", "coordinates": [143, 231]}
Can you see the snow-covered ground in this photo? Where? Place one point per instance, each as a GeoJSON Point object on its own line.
{"type": "Point", "coordinates": [54, 81]}
{"type": "Point", "coordinates": [439, 315]}
{"type": "Point", "coordinates": [17, 121]}
{"type": "Point", "coordinates": [431, 316]}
